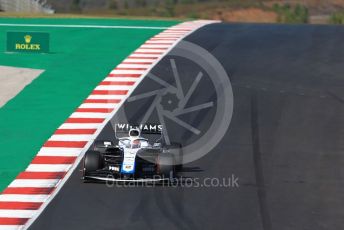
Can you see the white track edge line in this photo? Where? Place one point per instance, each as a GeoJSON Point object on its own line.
{"type": "Point", "coordinates": [85, 26]}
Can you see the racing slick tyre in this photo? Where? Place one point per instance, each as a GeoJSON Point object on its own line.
{"type": "Point", "coordinates": [166, 166]}
{"type": "Point", "coordinates": [92, 162]}
{"type": "Point", "coordinates": [176, 150]}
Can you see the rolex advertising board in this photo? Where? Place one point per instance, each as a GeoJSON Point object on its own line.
{"type": "Point", "coordinates": [28, 42]}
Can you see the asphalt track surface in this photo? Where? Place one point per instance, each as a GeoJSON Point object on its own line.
{"type": "Point", "coordinates": [285, 143]}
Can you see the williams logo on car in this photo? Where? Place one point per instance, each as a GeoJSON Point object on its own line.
{"type": "Point", "coordinates": [145, 128]}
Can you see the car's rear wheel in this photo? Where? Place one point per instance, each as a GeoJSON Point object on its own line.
{"type": "Point", "coordinates": [166, 166]}
{"type": "Point", "coordinates": [177, 151]}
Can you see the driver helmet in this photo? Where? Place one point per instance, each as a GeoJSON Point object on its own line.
{"type": "Point", "coordinates": [134, 133]}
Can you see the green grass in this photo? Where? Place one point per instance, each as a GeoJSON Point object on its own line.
{"type": "Point", "coordinates": [289, 14]}
{"type": "Point", "coordinates": [337, 18]}
{"type": "Point", "coordinates": [79, 59]}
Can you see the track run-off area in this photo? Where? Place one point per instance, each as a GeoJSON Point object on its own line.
{"type": "Point", "coordinates": [82, 53]}
{"type": "Point", "coordinates": [32, 190]}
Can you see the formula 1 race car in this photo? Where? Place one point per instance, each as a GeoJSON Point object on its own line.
{"type": "Point", "coordinates": [132, 158]}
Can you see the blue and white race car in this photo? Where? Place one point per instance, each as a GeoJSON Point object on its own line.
{"type": "Point", "coordinates": [132, 158]}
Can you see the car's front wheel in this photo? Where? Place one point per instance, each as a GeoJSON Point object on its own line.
{"type": "Point", "coordinates": [93, 161]}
